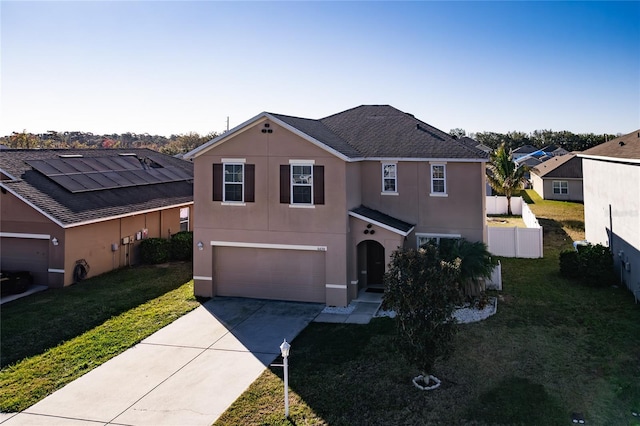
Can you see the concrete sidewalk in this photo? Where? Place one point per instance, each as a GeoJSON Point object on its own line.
{"type": "Point", "coordinates": [187, 373]}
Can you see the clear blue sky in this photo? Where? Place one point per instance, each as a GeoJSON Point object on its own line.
{"type": "Point", "coordinates": [175, 67]}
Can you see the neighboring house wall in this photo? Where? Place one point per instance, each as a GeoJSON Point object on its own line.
{"type": "Point", "coordinates": [29, 247]}
{"type": "Point", "coordinates": [94, 242]}
{"type": "Point", "coordinates": [545, 188]}
{"type": "Point", "coordinates": [611, 212]}
{"type": "Point", "coordinates": [53, 265]}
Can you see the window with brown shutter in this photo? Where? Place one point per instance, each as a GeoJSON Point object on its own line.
{"type": "Point", "coordinates": [318, 184]}
{"type": "Point", "coordinates": [234, 182]}
{"type": "Point", "coordinates": [301, 184]}
{"type": "Point", "coordinates": [218, 182]}
{"type": "Point", "coordinates": [285, 187]}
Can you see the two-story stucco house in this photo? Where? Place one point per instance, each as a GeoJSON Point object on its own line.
{"type": "Point", "coordinates": [310, 210]}
{"type": "Point", "coordinates": [611, 175]}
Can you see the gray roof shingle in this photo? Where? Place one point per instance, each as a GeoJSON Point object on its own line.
{"type": "Point", "coordinates": [73, 208]}
{"type": "Point", "coordinates": [626, 146]}
{"type": "Point", "coordinates": [382, 131]}
{"type": "Point", "coordinates": [384, 219]}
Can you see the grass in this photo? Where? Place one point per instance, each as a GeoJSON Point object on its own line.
{"type": "Point", "coordinates": [554, 348]}
{"type": "Point", "coordinates": [51, 338]}
{"type": "Point", "coordinates": [505, 221]}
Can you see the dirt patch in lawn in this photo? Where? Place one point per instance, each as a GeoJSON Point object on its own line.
{"type": "Point", "coordinates": [506, 221]}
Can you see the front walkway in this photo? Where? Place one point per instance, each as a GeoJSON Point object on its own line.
{"type": "Point", "coordinates": [359, 311]}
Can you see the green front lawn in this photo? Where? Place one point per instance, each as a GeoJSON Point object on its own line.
{"type": "Point", "coordinates": [554, 348]}
{"type": "Point", "coordinates": [53, 337]}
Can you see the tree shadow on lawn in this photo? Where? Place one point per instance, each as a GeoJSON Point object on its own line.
{"type": "Point", "coordinates": [43, 320]}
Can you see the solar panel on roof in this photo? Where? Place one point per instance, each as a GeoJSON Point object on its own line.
{"type": "Point", "coordinates": [82, 174]}
{"type": "Point", "coordinates": [67, 183]}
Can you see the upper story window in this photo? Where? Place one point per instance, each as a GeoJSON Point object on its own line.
{"type": "Point", "coordinates": [560, 187]}
{"type": "Point", "coordinates": [234, 181]}
{"type": "Point", "coordinates": [439, 179]}
{"type": "Point", "coordinates": [301, 183]}
{"type": "Point", "coordinates": [389, 177]}
{"type": "Point", "coordinates": [184, 219]}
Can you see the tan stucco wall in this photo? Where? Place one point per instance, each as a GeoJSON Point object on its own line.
{"type": "Point", "coordinates": [16, 216]}
{"type": "Point", "coordinates": [462, 211]}
{"type": "Point", "coordinates": [267, 220]}
{"type": "Point", "coordinates": [91, 242]}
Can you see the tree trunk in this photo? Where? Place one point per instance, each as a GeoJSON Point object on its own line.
{"type": "Point", "coordinates": [509, 205]}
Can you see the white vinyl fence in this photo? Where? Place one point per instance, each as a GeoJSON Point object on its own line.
{"type": "Point", "coordinates": [495, 282]}
{"type": "Point", "coordinates": [514, 242]}
{"type": "Point", "coordinates": [498, 205]}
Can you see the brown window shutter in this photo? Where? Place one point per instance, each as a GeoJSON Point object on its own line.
{"type": "Point", "coordinates": [218, 183]}
{"type": "Point", "coordinates": [285, 185]}
{"type": "Point", "coordinates": [318, 184]}
{"type": "Point", "coordinates": [249, 183]}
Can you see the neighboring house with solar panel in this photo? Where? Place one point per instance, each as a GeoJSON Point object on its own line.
{"type": "Point", "coordinates": [72, 212]}
{"type": "Point", "coordinates": [311, 210]}
{"type": "Point", "coordinates": [559, 178]}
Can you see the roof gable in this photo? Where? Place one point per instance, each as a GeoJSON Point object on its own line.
{"type": "Point", "coordinates": [565, 166]}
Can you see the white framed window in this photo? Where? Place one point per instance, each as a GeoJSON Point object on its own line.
{"type": "Point", "coordinates": [233, 182]}
{"type": "Point", "coordinates": [439, 179]}
{"type": "Point", "coordinates": [560, 187]}
{"type": "Point", "coordinates": [302, 184]}
{"type": "Point", "coordinates": [389, 178]}
{"type": "Point", "coordinates": [437, 239]}
{"type": "Point", "coordinates": [184, 219]}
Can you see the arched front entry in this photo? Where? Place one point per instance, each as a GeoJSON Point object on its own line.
{"type": "Point", "coordinates": [370, 264]}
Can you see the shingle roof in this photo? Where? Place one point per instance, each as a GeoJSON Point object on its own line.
{"type": "Point", "coordinates": [368, 132]}
{"type": "Point", "coordinates": [384, 131]}
{"type": "Point", "coordinates": [73, 208]}
{"type": "Point", "coordinates": [626, 146]}
{"type": "Point", "coordinates": [564, 166]}
{"type": "Point", "coordinates": [317, 130]}
{"type": "Point", "coordinates": [525, 149]}
{"type": "Point", "coordinates": [380, 218]}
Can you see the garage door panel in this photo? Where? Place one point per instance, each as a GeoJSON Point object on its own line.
{"type": "Point", "coordinates": [269, 273]}
{"type": "Point", "coordinates": [22, 254]}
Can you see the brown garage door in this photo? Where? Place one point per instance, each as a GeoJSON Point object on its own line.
{"type": "Point", "coordinates": [269, 273]}
{"type": "Point", "coordinates": [24, 254]}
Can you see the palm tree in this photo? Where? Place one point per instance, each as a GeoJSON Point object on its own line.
{"type": "Point", "coordinates": [476, 264]}
{"type": "Point", "coordinates": [505, 176]}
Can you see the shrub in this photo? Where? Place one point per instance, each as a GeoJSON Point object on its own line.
{"type": "Point", "coordinates": [155, 250]}
{"type": "Point", "coordinates": [597, 265]}
{"type": "Point", "coordinates": [182, 246]}
{"type": "Point", "coordinates": [570, 264]}
{"type": "Point", "coordinates": [423, 291]}
{"type": "Point", "coordinates": [591, 265]}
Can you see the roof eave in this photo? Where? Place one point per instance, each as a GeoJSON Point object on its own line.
{"type": "Point", "coordinates": [381, 225]}
{"type": "Point", "coordinates": [610, 159]}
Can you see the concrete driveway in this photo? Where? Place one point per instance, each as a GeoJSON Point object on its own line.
{"type": "Point", "coordinates": [187, 373]}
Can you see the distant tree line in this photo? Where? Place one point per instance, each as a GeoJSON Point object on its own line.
{"type": "Point", "coordinates": [178, 144]}
{"type": "Point", "coordinates": [175, 144]}
{"type": "Point", "coordinates": [538, 138]}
